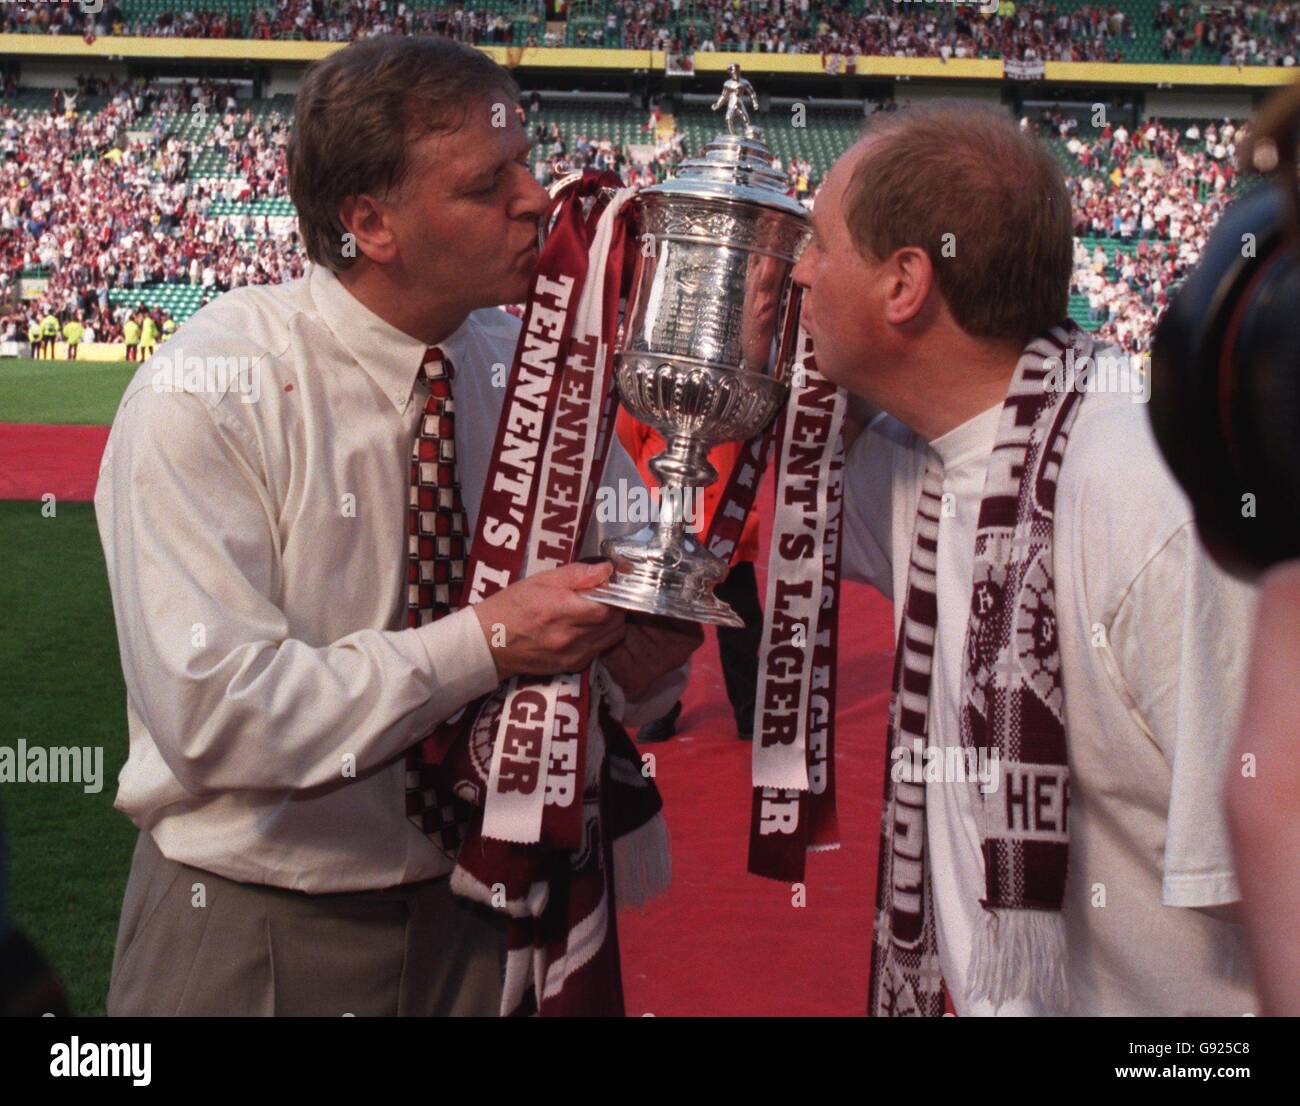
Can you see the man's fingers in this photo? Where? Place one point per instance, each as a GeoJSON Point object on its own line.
{"type": "Point", "coordinates": [575, 577]}
{"type": "Point", "coordinates": [589, 614]}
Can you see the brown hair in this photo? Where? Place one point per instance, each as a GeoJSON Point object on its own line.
{"type": "Point", "coordinates": [357, 114]}
{"type": "Point", "coordinates": [967, 170]}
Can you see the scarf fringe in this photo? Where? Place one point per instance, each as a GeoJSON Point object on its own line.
{"type": "Point", "coordinates": [1019, 954]}
{"type": "Point", "coordinates": [531, 906]}
{"type": "Point", "coordinates": [643, 863]}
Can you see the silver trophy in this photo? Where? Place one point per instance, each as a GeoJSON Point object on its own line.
{"type": "Point", "coordinates": [706, 347]}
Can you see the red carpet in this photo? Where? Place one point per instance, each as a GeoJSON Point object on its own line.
{"type": "Point", "coordinates": [721, 941]}
{"type": "Point", "coordinates": [725, 942]}
{"type": "Point", "coordinates": [40, 459]}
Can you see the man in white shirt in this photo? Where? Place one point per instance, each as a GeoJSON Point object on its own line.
{"type": "Point", "coordinates": [254, 521]}
{"type": "Point", "coordinates": [1150, 635]}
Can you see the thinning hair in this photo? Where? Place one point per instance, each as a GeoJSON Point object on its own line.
{"type": "Point", "coordinates": [358, 113]}
{"type": "Point", "coordinates": [984, 199]}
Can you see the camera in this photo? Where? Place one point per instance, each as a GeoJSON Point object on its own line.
{"type": "Point", "coordinates": [1225, 365]}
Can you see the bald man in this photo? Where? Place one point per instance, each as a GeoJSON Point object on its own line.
{"type": "Point", "coordinates": [1069, 664]}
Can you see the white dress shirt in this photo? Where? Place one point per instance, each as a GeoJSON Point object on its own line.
{"type": "Point", "coordinates": [1152, 639]}
{"type": "Point", "coordinates": [254, 529]}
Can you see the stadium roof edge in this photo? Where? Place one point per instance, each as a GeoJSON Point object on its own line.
{"type": "Point", "coordinates": [122, 48]}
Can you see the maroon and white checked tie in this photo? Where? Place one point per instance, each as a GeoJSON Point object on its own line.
{"type": "Point", "coordinates": [435, 570]}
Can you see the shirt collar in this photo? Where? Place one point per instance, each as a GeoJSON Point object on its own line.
{"type": "Point", "coordinates": [389, 356]}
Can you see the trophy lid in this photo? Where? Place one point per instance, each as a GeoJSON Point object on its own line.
{"type": "Point", "coordinates": [735, 167]}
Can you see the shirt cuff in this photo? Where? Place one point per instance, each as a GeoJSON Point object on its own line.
{"type": "Point", "coordinates": [1211, 889]}
{"type": "Point", "coordinates": [461, 665]}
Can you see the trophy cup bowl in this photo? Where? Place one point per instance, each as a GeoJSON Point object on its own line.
{"type": "Point", "coordinates": [706, 348]}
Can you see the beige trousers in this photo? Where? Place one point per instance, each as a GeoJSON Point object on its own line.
{"type": "Point", "coordinates": [255, 950]}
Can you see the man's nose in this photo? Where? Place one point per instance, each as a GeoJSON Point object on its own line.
{"type": "Point", "coordinates": [802, 274]}
{"type": "Point", "coordinates": [534, 198]}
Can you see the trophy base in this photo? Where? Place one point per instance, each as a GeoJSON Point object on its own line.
{"type": "Point", "coordinates": [675, 582]}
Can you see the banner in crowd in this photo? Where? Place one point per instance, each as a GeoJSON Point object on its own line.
{"type": "Point", "coordinates": [679, 65]}
{"type": "Point", "coordinates": [1023, 70]}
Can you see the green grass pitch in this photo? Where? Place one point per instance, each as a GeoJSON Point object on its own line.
{"type": "Point", "coordinates": [85, 392]}
{"type": "Point", "coordinates": [61, 685]}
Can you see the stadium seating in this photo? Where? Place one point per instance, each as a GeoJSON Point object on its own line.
{"type": "Point", "coordinates": [825, 136]}
{"type": "Point", "coordinates": [616, 123]}
{"type": "Point", "coordinates": [1079, 312]}
{"type": "Point", "coordinates": [180, 301]}
{"type": "Point", "coordinates": [134, 11]}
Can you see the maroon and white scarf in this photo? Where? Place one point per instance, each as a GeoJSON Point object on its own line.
{"type": "Point", "coordinates": [553, 822]}
{"type": "Point", "coordinates": [793, 792]}
{"type": "Point", "coordinates": [1012, 707]}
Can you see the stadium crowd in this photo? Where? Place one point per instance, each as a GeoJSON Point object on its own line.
{"type": "Point", "coordinates": [1241, 32]}
{"type": "Point", "coordinates": [108, 200]}
{"type": "Point", "coordinates": [1158, 190]}
{"type": "Point", "coordinates": [879, 28]}
{"type": "Point", "coordinates": [104, 201]}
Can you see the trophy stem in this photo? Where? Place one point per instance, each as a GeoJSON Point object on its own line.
{"type": "Point", "coordinates": [680, 469]}
{"type": "Point", "coordinates": [662, 569]}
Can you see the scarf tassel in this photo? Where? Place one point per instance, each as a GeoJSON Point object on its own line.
{"type": "Point", "coordinates": [1019, 954]}
{"type": "Point", "coordinates": [643, 863]}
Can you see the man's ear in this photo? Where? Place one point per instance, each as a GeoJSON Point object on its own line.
{"type": "Point", "coordinates": [909, 276]}
{"type": "Point", "coordinates": [366, 221]}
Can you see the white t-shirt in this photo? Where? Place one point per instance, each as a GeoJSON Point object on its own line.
{"type": "Point", "coordinates": [1153, 647]}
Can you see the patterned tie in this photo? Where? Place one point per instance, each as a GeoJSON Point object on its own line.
{"type": "Point", "coordinates": [435, 569]}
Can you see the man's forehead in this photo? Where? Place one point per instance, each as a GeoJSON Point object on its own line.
{"type": "Point", "coordinates": [854, 154]}
{"type": "Point", "coordinates": [832, 184]}
{"type": "Point", "coordinates": [480, 143]}
{"type": "Point", "coordinates": [837, 180]}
